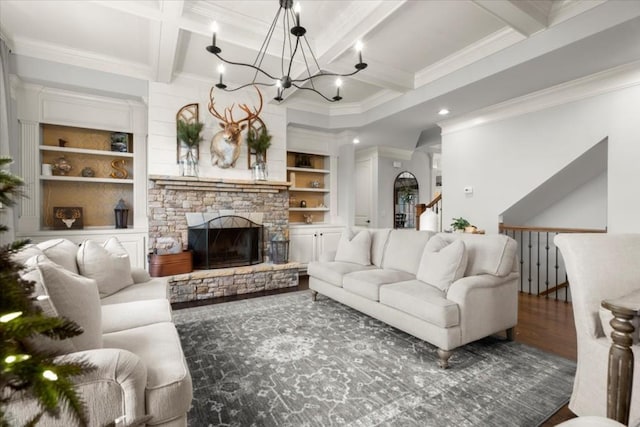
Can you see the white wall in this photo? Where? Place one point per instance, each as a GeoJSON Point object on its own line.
{"type": "Point", "coordinates": [166, 99]}
{"type": "Point", "coordinates": [505, 160]}
{"type": "Point", "coordinates": [585, 207]}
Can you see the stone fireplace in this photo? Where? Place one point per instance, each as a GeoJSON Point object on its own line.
{"type": "Point", "coordinates": [171, 198]}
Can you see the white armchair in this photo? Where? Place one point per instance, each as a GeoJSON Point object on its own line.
{"type": "Point", "coordinates": [600, 267]}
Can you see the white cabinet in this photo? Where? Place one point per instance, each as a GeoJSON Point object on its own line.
{"type": "Point", "coordinates": [306, 243]}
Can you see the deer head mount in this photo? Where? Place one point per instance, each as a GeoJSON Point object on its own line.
{"type": "Point", "coordinates": [225, 145]}
{"type": "Point", "coordinates": [68, 216]}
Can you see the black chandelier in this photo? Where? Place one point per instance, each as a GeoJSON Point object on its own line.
{"type": "Point", "coordinates": [300, 44]}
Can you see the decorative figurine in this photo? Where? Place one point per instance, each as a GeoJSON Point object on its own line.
{"type": "Point", "coordinates": [120, 172]}
{"type": "Point", "coordinates": [87, 172]}
{"type": "Point", "coordinates": [61, 166]}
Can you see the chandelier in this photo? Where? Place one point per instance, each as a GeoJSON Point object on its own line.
{"type": "Point", "coordinates": [294, 42]}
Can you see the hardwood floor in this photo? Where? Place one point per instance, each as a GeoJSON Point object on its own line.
{"type": "Point", "coordinates": [543, 323]}
{"type": "Point", "coordinates": [548, 325]}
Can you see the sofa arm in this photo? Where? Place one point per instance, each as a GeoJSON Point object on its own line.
{"type": "Point", "coordinates": [116, 388]}
{"type": "Point", "coordinates": [487, 304]}
{"type": "Point", "coordinates": [139, 275]}
{"type": "Point", "coordinates": [327, 256]}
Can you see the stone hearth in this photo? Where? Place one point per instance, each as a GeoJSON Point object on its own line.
{"type": "Point", "coordinates": [171, 197]}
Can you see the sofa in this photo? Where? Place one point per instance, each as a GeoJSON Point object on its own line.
{"type": "Point", "coordinates": [448, 289]}
{"type": "Point", "coordinates": [141, 375]}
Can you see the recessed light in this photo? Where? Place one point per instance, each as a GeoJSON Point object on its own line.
{"type": "Point", "coordinates": [356, 141]}
{"type": "Point", "coordinates": [443, 112]}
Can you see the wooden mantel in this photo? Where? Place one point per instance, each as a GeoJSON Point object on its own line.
{"type": "Point", "coordinates": [218, 184]}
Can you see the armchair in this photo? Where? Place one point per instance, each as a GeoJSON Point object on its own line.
{"type": "Point", "coordinates": [599, 267]}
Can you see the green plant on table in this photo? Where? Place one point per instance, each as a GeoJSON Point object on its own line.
{"type": "Point", "coordinates": [460, 224]}
{"type": "Point", "coordinates": [259, 141]}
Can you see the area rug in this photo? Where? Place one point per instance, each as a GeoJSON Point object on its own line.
{"type": "Point", "coordinates": [285, 360]}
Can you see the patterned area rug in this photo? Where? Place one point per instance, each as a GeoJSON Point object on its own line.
{"type": "Point", "coordinates": [284, 360]}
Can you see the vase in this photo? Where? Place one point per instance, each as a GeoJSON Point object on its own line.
{"type": "Point", "coordinates": [189, 162]}
{"type": "Point", "coordinates": [259, 168]}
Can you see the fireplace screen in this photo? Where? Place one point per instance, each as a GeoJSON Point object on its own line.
{"type": "Point", "coordinates": [226, 241]}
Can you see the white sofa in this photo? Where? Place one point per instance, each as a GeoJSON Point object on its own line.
{"type": "Point", "coordinates": [141, 376]}
{"type": "Point", "coordinates": [448, 289]}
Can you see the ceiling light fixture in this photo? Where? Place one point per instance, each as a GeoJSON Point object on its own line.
{"type": "Point", "coordinates": [443, 112]}
{"type": "Point", "coordinates": [356, 141]}
{"type": "Point", "coordinates": [294, 41]}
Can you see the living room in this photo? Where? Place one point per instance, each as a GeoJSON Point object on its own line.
{"type": "Point", "coordinates": [529, 88]}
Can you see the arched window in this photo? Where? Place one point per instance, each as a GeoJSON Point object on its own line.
{"type": "Point", "coordinates": [405, 199]}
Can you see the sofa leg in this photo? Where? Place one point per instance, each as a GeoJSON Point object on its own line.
{"type": "Point", "coordinates": [314, 295]}
{"type": "Point", "coordinates": [443, 358]}
{"type": "Point", "coordinates": [511, 333]}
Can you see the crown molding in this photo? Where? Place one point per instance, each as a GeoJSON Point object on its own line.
{"type": "Point", "coordinates": [617, 78]}
{"type": "Point", "coordinates": [80, 58]}
{"type": "Point", "coordinates": [491, 44]}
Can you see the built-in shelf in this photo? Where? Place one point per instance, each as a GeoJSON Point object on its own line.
{"type": "Point", "coordinates": [309, 209]}
{"type": "Point", "coordinates": [85, 151]}
{"type": "Point", "coordinates": [311, 170]}
{"type": "Point", "coordinates": [86, 179]}
{"type": "Point", "coordinates": [310, 189]}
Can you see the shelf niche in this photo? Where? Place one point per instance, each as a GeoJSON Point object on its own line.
{"type": "Point", "coordinates": [85, 148]}
{"type": "Point", "coordinates": [302, 170]}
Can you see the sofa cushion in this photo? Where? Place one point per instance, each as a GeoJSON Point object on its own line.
{"type": "Point", "coordinates": [107, 264]}
{"type": "Point", "coordinates": [72, 296]}
{"type": "Point", "coordinates": [27, 252]}
{"type": "Point", "coordinates": [127, 315]}
{"type": "Point", "coordinates": [156, 288]}
{"type": "Point", "coordinates": [404, 249]}
{"type": "Point", "coordinates": [442, 262]}
{"type": "Point", "coordinates": [169, 391]}
{"type": "Point", "coordinates": [333, 272]}
{"type": "Point", "coordinates": [379, 238]}
{"type": "Point", "coordinates": [354, 247]}
{"type": "Point", "coordinates": [422, 301]}
{"type": "Point", "coordinates": [62, 252]}
{"type": "Point", "coordinates": [367, 283]}
{"type": "Point", "coordinates": [41, 342]}
{"type": "Point", "coordinates": [488, 254]}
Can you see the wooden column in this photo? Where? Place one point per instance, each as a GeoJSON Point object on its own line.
{"type": "Point", "coordinates": [620, 376]}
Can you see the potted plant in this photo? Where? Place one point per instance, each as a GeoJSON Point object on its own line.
{"type": "Point", "coordinates": [259, 142]}
{"type": "Point", "coordinates": [459, 224]}
{"type": "Point", "coordinates": [189, 134]}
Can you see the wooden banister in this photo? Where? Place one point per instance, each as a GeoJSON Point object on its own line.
{"type": "Point", "coordinates": [504, 227]}
{"type": "Point", "coordinates": [434, 201]}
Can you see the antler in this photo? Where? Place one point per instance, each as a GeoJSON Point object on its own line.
{"type": "Point", "coordinates": [75, 213]}
{"type": "Point", "coordinates": [60, 214]}
{"type": "Point", "coordinates": [229, 110]}
{"type": "Point", "coordinates": [213, 111]}
{"type": "Point", "coordinates": [256, 111]}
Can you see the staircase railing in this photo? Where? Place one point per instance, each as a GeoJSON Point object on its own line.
{"type": "Point", "coordinates": [542, 270]}
{"type": "Point", "coordinates": [435, 205]}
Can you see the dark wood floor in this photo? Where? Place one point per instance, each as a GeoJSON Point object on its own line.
{"type": "Point", "coordinates": [543, 323]}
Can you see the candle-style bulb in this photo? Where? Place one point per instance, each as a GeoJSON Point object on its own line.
{"type": "Point", "coordinates": [296, 10]}
{"type": "Point", "coordinates": [221, 71]}
{"type": "Point", "coordinates": [214, 30]}
{"type": "Point", "coordinates": [338, 84]}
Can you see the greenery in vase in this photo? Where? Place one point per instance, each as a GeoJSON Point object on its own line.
{"type": "Point", "coordinates": [460, 223]}
{"type": "Point", "coordinates": [189, 133]}
{"type": "Point", "coordinates": [24, 370]}
{"type": "Point", "coordinates": [259, 142]}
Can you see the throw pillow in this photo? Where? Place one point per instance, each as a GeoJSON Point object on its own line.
{"type": "Point", "coordinates": [71, 296]}
{"type": "Point", "coordinates": [62, 252]}
{"type": "Point", "coordinates": [442, 263]}
{"type": "Point", "coordinates": [27, 252]}
{"type": "Point", "coordinates": [107, 264]}
{"type": "Point", "coordinates": [355, 249]}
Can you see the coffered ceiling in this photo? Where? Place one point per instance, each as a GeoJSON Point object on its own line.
{"type": "Point", "coordinates": [422, 55]}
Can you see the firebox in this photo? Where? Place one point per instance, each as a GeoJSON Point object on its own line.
{"type": "Point", "coordinates": [226, 241]}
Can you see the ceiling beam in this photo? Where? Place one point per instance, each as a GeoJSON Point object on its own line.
{"type": "Point", "coordinates": [167, 34]}
{"type": "Point", "coordinates": [524, 16]}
